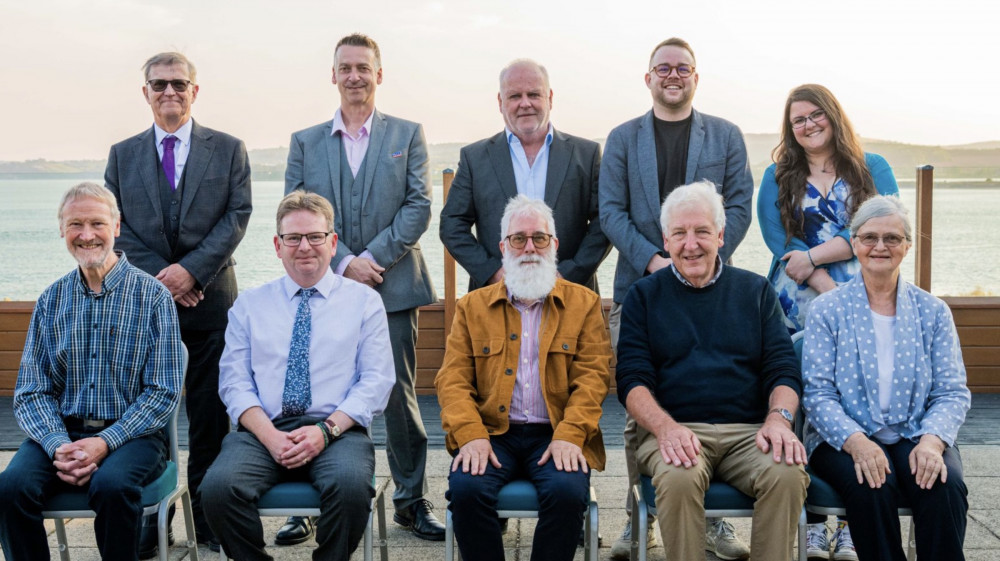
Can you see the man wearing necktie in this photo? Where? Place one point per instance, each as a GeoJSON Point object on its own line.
{"type": "Point", "coordinates": [184, 195]}
{"type": "Point", "coordinates": [307, 364]}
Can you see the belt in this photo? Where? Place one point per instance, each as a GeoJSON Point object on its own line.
{"type": "Point", "coordinates": [77, 422]}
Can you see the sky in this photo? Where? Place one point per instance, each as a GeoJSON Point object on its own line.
{"type": "Point", "coordinates": [910, 71]}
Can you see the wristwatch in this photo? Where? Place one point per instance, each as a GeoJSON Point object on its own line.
{"type": "Point", "coordinates": [785, 414]}
{"type": "Point", "coordinates": [334, 429]}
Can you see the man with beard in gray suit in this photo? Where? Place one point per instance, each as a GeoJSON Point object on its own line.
{"type": "Point", "coordinates": [529, 158]}
{"type": "Point", "coordinates": [373, 169]}
{"type": "Point", "coordinates": [184, 195]}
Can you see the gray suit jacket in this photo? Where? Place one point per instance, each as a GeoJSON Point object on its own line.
{"type": "Point", "coordinates": [396, 201]}
{"type": "Point", "coordinates": [485, 182]}
{"type": "Point", "coordinates": [215, 209]}
{"type": "Point", "coordinates": [630, 189]}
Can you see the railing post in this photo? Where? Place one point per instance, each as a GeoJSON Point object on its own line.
{"type": "Point", "coordinates": [449, 265]}
{"type": "Point", "coordinates": [925, 191]}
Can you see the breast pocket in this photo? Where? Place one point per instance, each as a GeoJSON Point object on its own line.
{"type": "Point", "coordinates": [714, 171]}
{"type": "Point", "coordinates": [488, 355]}
{"type": "Point", "coordinates": [560, 360]}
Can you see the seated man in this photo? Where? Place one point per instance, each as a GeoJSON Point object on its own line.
{"type": "Point", "coordinates": [525, 372]}
{"type": "Point", "coordinates": [100, 375]}
{"type": "Point", "coordinates": [707, 369]}
{"type": "Point", "coordinates": [303, 397]}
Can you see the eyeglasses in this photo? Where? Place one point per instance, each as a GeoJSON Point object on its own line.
{"type": "Point", "coordinates": [518, 241]}
{"type": "Point", "coordinates": [817, 117]}
{"type": "Point", "coordinates": [664, 70]}
{"type": "Point", "coordinates": [888, 240]}
{"type": "Point", "coordinates": [161, 85]}
{"type": "Point", "coordinates": [293, 240]}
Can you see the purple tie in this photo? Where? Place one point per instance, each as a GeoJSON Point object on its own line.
{"type": "Point", "coordinates": [168, 160]}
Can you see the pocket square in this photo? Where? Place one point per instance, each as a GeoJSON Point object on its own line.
{"type": "Point", "coordinates": [396, 154]}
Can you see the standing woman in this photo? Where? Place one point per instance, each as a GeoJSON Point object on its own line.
{"type": "Point", "coordinates": [807, 197]}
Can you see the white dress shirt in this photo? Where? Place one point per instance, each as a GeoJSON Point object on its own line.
{"type": "Point", "coordinates": [529, 178]}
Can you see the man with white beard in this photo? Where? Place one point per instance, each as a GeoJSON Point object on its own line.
{"type": "Point", "coordinates": [525, 371]}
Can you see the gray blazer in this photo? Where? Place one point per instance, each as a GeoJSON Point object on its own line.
{"type": "Point", "coordinates": [396, 202]}
{"type": "Point", "coordinates": [215, 209]}
{"type": "Point", "coordinates": [630, 189]}
{"type": "Point", "coordinates": [485, 182]}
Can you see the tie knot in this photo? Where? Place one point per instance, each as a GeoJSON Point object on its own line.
{"type": "Point", "coordinates": [168, 142]}
{"type": "Point", "coordinates": [307, 292]}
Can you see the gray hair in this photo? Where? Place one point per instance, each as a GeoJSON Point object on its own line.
{"type": "Point", "coordinates": [879, 206]}
{"type": "Point", "coordinates": [93, 191]}
{"type": "Point", "coordinates": [522, 207]}
{"type": "Point", "coordinates": [701, 193]}
{"type": "Point", "coordinates": [170, 58]}
{"type": "Point", "coordinates": [525, 62]}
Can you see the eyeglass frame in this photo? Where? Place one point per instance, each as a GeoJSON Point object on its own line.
{"type": "Point", "coordinates": [816, 119]}
{"type": "Point", "coordinates": [542, 235]}
{"type": "Point", "coordinates": [172, 83]}
{"type": "Point", "coordinates": [671, 69]}
{"type": "Point", "coordinates": [872, 239]}
{"type": "Point", "coordinates": [304, 237]}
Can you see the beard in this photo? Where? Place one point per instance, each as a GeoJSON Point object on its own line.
{"type": "Point", "coordinates": [530, 277]}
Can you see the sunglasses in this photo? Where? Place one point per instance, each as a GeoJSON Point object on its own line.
{"type": "Point", "coordinates": [161, 85]}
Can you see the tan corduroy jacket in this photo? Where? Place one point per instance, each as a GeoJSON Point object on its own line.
{"type": "Point", "coordinates": [476, 381]}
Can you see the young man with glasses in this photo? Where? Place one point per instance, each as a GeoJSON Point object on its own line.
{"type": "Point", "coordinates": [184, 194]}
{"type": "Point", "coordinates": [645, 159]}
{"type": "Point", "coordinates": [525, 372]}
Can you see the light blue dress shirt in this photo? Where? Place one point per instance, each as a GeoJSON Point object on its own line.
{"type": "Point", "coordinates": [530, 179]}
{"type": "Point", "coordinates": [350, 358]}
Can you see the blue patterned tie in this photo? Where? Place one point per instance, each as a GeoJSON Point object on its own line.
{"type": "Point", "coordinates": [297, 396]}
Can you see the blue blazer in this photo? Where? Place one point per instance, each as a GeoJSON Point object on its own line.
{"type": "Point", "coordinates": [841, 374]}
{"type": "Point", "coordinates": [629, 191]}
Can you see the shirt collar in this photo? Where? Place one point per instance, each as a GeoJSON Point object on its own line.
{"type": "Point", "coordinates": [715, 277]}
{"type": "Point", "coordinates": [110, 280]}
{"type": "Point", "coordinates": [339, 126]}
{"type": "Point", "coordinates": [324, 287]}
{"type": "Point", "coordinates": [183, 134]}
{"type": "Point", "coordinates": [513, 140]}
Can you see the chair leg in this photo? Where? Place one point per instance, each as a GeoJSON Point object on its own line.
{"type": "Point", "coordinates": [639, 520]}
{"type": "Point", "coordinates": [802, 535]}
{"type": "Point", "coordinates": [449, 538]}
{"type": "Point", "coordinates": [911, 543]}
{"type": "Point", "coordinates": [383, 541]}
{"type": "Point", "coordinates": [591, 544]}
{"type": "Point", "coordinates": [369, 530]}
{"type": "Point", "coordinates": [192, 538]}
{"type": "Point", "coordinates": [61, 539]}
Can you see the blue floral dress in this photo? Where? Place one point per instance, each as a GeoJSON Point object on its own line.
{"type": "Point", "coordinates": [824, 218]}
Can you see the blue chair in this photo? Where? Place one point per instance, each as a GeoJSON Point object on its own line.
{"type": "Point", "coordinates": [157, 498]}
{"type": "Point", "coordinates": [299, 498]}
{"type": "Point", "coordinates": [519, 499]}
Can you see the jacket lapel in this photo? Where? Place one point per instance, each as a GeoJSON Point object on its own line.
{"type": "Point", "coordinates": [647, 163]}
{"type": "Point", "coordinates": [202, 147]}
{"type": "Point", "coordinates": [502, 166]}
{"type": "Point", "coordinates": [145, 158]}
{"type": "Point", "coordinates": [694, 146]}
{"type": "Point", "coordinates": [559, 158]}
{"type": "Point", "coordinates": [333, 155]}
{"type": "Point", "coordinates": [374, 154]}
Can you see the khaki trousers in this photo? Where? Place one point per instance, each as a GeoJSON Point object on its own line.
{"type": "Point", "coordinates": [729, 453]}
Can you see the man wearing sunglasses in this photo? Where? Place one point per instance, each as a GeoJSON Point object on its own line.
{"type": "Point", "coordinates": [184, 194]}
{"type": "Point", "coordinates": [525, 372]}
{"type": "Point", "coordinates": [528, 157]}
{"type": "Point", "coordinates": [645, 159]}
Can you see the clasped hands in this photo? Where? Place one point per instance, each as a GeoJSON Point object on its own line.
{"type": "Point", "coordinates": [871, 464]}
{"type": "Point", "coordinates": [180, 283]}
{"type": "Point", "coordinates": [296, 448]}
{"type": "Point", "coordinates": [475, 454]}
{"type": "Point", "coordinates": [76, 462]}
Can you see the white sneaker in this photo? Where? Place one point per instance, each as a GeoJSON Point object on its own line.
{"type": "Point", "coordinates": [843, 545]}
{"type": "Point", "coordinates": [720, 539]}
{"type": "Point", "coordinates": [817, 544]}
{"type": "Point", "coordinates": [623, 545]}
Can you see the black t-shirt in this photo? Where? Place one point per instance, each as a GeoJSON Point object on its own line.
{"type": "Point", "coordinates": [672, 138]}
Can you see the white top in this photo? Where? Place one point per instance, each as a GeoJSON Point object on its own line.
{"type": "Point", "coordinates": [885, 355]}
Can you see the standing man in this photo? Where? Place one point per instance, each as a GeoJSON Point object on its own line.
{"type": "Point", "coordinates": [100, 375]}
{"type": "Point", "coordinates": [644, 160]}
{"type": "Point", "coordinates": [184, 195]}
{"type": "Point", "coordinates": [529, 158]}
{"type": "Point", "coordinates": [373, 170]}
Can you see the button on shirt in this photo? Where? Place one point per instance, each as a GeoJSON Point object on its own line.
{"type": "Point", "coordinates": [350, 359]}
{"type": "Point", "coordinates": [355, 148]}
{"type": "Point", "coordinates": [527, 405]}
{"type": "Point", "coordinates": [113, 355]}
{"type": "Point", "coordinates": [181, 148]}
{"type": "Point", "coordinates": [530, 179]}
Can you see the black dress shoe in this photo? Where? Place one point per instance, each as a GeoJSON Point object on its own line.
{"type": "Point", "coordinates": [212, 543]}
{"type": "Point", "coordinates": [297, 529]}
{"type": "Point", "coordinates": [148, 541]}
{"type": "Point", "coordinates": [419, 518]}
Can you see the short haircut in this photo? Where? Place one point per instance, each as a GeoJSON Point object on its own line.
{"type": "Point", "coordinates": [302, 200]}
{"type": "Point", "coordinates": [524, 62]}
{"type": "Point", "coordinates": [93, 191]}
{"type": "Point", "coordinates": [359, 40]}
{"type": "Point", "coordinates": [170, 58]}
{"type": "Point", "coordinates": [879, 206]}
{"type": "Point", "coordinates": [700, 193]}
{"type": "Point", "coordinates": [522, 207]}
{"type": "Point", "coordinates": [674, 42]}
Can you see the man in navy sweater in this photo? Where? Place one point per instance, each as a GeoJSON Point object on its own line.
{"type": "Point", "coordinates": [709, 373]}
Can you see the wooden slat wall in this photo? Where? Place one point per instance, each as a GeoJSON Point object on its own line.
{"type": "Point", "coordinates": [977, 318]}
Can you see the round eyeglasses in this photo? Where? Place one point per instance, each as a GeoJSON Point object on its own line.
{"type": "Point", "coordinates": [538, 239]}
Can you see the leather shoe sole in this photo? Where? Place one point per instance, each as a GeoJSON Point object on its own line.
{"type": "Point", "coordinates": [294, 532]}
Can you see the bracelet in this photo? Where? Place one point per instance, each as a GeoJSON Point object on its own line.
{"type": "Point", "coordinates": [809, 255]}
{"type": "Point", "coordinates": [326, 436]}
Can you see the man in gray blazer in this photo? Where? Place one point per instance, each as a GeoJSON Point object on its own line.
{"type": "Point", "coordinates": [373, 169]}
{"type": "Point", "coordinates": [530, 158]}
{"type": "Point", "coordinates": [184, 195]}
{"type": "Point", "coordinates": [644, 160]}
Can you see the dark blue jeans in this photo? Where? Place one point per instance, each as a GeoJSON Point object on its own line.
{"type": "Point", "coordinates": [114, 493]}
{"type": "Point", "coordinates": [562, 497]}
{"type": "Point", "coordinates": [939, 512]}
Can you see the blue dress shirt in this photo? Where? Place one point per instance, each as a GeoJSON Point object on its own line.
{"type": "Point", "coordinates": [530, 179]}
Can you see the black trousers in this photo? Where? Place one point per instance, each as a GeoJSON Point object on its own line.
{"type": "Point", "coordinates": [939, 512]}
